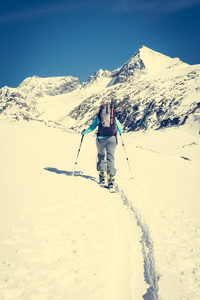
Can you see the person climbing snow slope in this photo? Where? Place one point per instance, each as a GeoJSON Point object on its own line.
{"type": "Point", "coordinates": [108, 126]}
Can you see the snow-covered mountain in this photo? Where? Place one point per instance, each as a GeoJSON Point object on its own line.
{"type": "Point", "coordinates": [145, 61]}
{"type": "Point", "coordinates": [51, 86]}
{"type": "Point", "coordinates": [22, 102]}
{"type": "Point", "coordinates": [150, 90]}
{"type": "Point", "coordinates": [64, 237]}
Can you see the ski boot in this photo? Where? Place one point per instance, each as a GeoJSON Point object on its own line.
{"type": "Point", "coordinates": [111, 183]}
{"type": "Point", "coordinates": [102, 178]}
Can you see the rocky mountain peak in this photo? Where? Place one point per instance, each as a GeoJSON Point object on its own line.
{"type": "Point", "coordinates": [102, 73]}
{"type": "Point", "coordinates": [145, 61]}
{"type": "Point", "coordinates": [98, 75]}
{"type": "Point", "coordinates": [23, 100]}
{"type": "Point", "coordinates": [154, 91]}
{"type": "Point", "coordinates": [49, 86]}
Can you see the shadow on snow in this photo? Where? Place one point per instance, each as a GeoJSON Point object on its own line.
{"type": "Point", "coordinates": [70, 173]}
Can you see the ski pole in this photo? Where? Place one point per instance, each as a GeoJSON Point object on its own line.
{"type": "Point", "coordinates": [126, 156]}
{"type": "Point", "coordinates": [78, 153]}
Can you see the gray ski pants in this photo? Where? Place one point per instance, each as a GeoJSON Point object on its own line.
{"type": "Point", "coordinates": [106, 149]}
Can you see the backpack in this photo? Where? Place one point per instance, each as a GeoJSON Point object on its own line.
{"type": "Point", "coordinates": [106, 120]}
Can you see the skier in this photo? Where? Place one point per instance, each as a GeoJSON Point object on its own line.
{"type": "Point", "coordinates": [106, 142]}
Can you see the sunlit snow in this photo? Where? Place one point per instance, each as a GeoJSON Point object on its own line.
{"type": "Point", "coordinates": [63, 237]}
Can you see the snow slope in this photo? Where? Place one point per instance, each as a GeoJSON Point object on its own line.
{"type": "Point", "coordinates": [36, 86]}
{"type": "Point", "coordinates": [64, 237]}
{"type": "Point", "coordinates": [146, 62]}
{"type": "Point", "coordinates": [150, 90]}
{"type": "Point", "coordinates": [165, 198]}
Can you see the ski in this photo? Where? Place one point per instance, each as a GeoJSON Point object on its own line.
{"type": "Point", "coordinates": [103, 185]}
{"type": "Point", "coordinates": [111, 185]}
{"type": "Point", "coordinates": [112, 189]}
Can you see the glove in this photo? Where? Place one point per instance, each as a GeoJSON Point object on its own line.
{"type": "Point", "coordinates": [83, 132]}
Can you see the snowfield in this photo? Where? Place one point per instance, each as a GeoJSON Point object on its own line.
{"type": "Point", "coordinates": [65, 238]}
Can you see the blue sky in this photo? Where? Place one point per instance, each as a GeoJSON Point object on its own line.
{"type": "Point", "coordinates": [78, 37]}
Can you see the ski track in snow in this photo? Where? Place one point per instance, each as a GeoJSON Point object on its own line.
{"type": "Point", "coordinates": [63, 237]}
{"type": "Point", "coordinates": [151, 276]}
{"type": "Point", "coordinates": [165, 196]}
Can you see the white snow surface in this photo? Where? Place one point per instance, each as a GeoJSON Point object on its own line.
{"type": "Point", "coordinates": [64, 237]}
{"type": "Point", "coordinates": [156, 62]}
{"type": "Point", "coordinates": [48, 86]}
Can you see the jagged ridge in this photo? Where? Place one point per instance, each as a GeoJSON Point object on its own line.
{"type": "Point", "coordinates": [150, 90]}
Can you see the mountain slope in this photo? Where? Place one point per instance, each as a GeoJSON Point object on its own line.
{"type": "Point", "coordinates": [51, 86]}
{"type": "Point", "coordinates": [150, 90]}
{"type": "Point", "coordinates": [145, 61]}
{"type": "Point", "coordinates": [64, 237]}
{"type": "Point", "coordinates": [22, 102]}
{"type": "Point", "coordinates": [151, 100]}
{"type": "Point", "coordinates": [57, 240]}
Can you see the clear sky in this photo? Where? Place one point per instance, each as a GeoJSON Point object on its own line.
{"type": "Point", "coordinates": [78, 37]}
